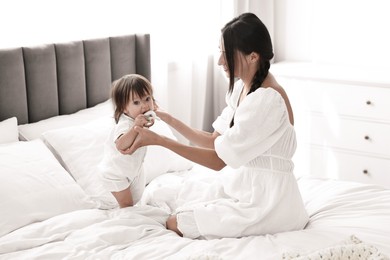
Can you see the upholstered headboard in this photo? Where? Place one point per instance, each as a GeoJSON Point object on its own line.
{"type": "Point", "coordinates": [61, 78]}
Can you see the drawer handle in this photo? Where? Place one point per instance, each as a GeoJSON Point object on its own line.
{"type": "Point", "coordinates": [365, 171]}
{"type": "Point", "coordinates": [366, 137]}
{"type": "Point", "coordinates": [368, 102]}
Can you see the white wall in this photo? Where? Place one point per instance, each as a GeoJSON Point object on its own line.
{"type": "Point", "coordinates": [347, 32]}
{"type": "Point", "coordinates": [26, 23]}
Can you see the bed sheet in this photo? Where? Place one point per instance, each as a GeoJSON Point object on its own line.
{"type": "Point", "coordinates": [338, 210]}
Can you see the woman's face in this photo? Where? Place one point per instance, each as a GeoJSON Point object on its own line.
{"type": "Point", "coordinates": [222, 58]}
{"type": "Point", "coordinates": [240, 61]}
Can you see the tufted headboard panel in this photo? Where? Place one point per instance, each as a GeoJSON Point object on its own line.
{"type": "Point", "coordinates": [61, 78]}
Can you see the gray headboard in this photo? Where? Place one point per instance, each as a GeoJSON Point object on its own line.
{"type": "Point", "coordinates": [61, 78]}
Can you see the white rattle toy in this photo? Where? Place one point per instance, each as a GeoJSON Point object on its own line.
{"type": "Point", "coordinates": [150, 115]}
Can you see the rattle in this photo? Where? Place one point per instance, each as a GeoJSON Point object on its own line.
{"type": "Point", "coordinates": [150, 116]}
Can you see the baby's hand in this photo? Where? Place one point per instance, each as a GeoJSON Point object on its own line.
{"type": "Point", "coordinates": [140, 120]}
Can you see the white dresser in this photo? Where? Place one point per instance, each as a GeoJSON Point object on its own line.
{"type": "Point", "coordinates": [342, 119]}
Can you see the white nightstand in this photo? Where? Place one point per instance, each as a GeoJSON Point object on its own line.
{"type": "Point", "coordinates": [342, 120]}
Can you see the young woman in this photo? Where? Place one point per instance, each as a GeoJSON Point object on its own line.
{"type": "Point", "coordinates": [254, 135]}
{"type": "Point", "coordinates": [123, 175]}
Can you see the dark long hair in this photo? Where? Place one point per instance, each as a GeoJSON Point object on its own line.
{"type": "Point", "coordinates": [247, 33]}
{"type": "Point", "coordinates": [124, 88]}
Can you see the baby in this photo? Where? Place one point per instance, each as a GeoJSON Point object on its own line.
{"type": "Point", "coordinates": [123, 175]}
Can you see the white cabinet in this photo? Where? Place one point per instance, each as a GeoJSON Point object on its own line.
{"type": "Point", "coordinates": [342, 120]}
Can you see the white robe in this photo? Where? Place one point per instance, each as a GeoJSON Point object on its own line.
{"type": "Point", "coordinates": [260, 195]}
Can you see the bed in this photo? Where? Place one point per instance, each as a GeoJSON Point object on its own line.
{"type": "Point", "coordinates": [55, 113]}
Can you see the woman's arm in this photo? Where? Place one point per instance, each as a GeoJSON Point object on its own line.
{"type": "Point", "coordinates": [203, 156]}
{"type": "Point", "coordinates": [195, 136]}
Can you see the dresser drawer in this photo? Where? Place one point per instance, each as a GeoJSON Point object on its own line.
{"type": "Point", "coordinates": [366, 137]}
{"type": "Point", "coordinates": [338, 165]}
{"type": "Point", "coordinates": [350, 100]}
{"type": "Point", "coordinates": [334, 98]}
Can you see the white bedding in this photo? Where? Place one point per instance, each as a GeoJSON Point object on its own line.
{"type": "Point", "coordinates": [9, 130]}
{"type": "Point", "coordinates": [34, 186]}
{"type": "Point", "coordinates": [346, 219]}
{"type": "Point", "coordinates": [33, 131]}
{"type": "Point", "coordinates": [338, 212]}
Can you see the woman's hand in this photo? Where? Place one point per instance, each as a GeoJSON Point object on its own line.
{"type": "Point", "coordinates": [164, 116]}
{"type": "Point", "coordinates": [144, 137]}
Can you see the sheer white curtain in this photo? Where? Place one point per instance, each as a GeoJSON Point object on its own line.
{"type": "Point", "coordinates": [185, 73]}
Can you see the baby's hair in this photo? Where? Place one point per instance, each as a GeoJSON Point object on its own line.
{"type": "Point", "coordinates": [125, 88]}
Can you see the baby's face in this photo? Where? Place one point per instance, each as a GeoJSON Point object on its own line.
{"type": "Point", "coordinates": [139, 105]}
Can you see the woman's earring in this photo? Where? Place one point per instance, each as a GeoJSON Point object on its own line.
{"type": "Point", "coordinates": [254, 57]}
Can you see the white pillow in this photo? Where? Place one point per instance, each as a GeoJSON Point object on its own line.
{"type": "Point", "coordinates": [34, 130]}
{"type": "Point", "coordinates": [9, 130]}
{"type": "Point", "coordinates": [159, 160]}
{"type": "Point", "coordinates": [34, 186]}
{"type": "Point", "coordinates": [81, 148]}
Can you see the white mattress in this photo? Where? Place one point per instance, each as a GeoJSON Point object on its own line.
{"type": "Point", "coordinates": [339, 213]}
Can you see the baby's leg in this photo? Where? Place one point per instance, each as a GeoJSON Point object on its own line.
{"type": "Point", "coordinates": [172, 224]}
{"type": "Point", "coordinates": [137, 187]}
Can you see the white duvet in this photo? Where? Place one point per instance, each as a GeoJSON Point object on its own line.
{"type": "Point", "coordinates": [340, 213]}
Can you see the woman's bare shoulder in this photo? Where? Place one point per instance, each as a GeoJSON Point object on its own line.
{"type": "Point", "coordinates": [271, 82]}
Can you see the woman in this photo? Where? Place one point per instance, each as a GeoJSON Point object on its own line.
{"type": "Point", "coordinates": [253, 135]}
